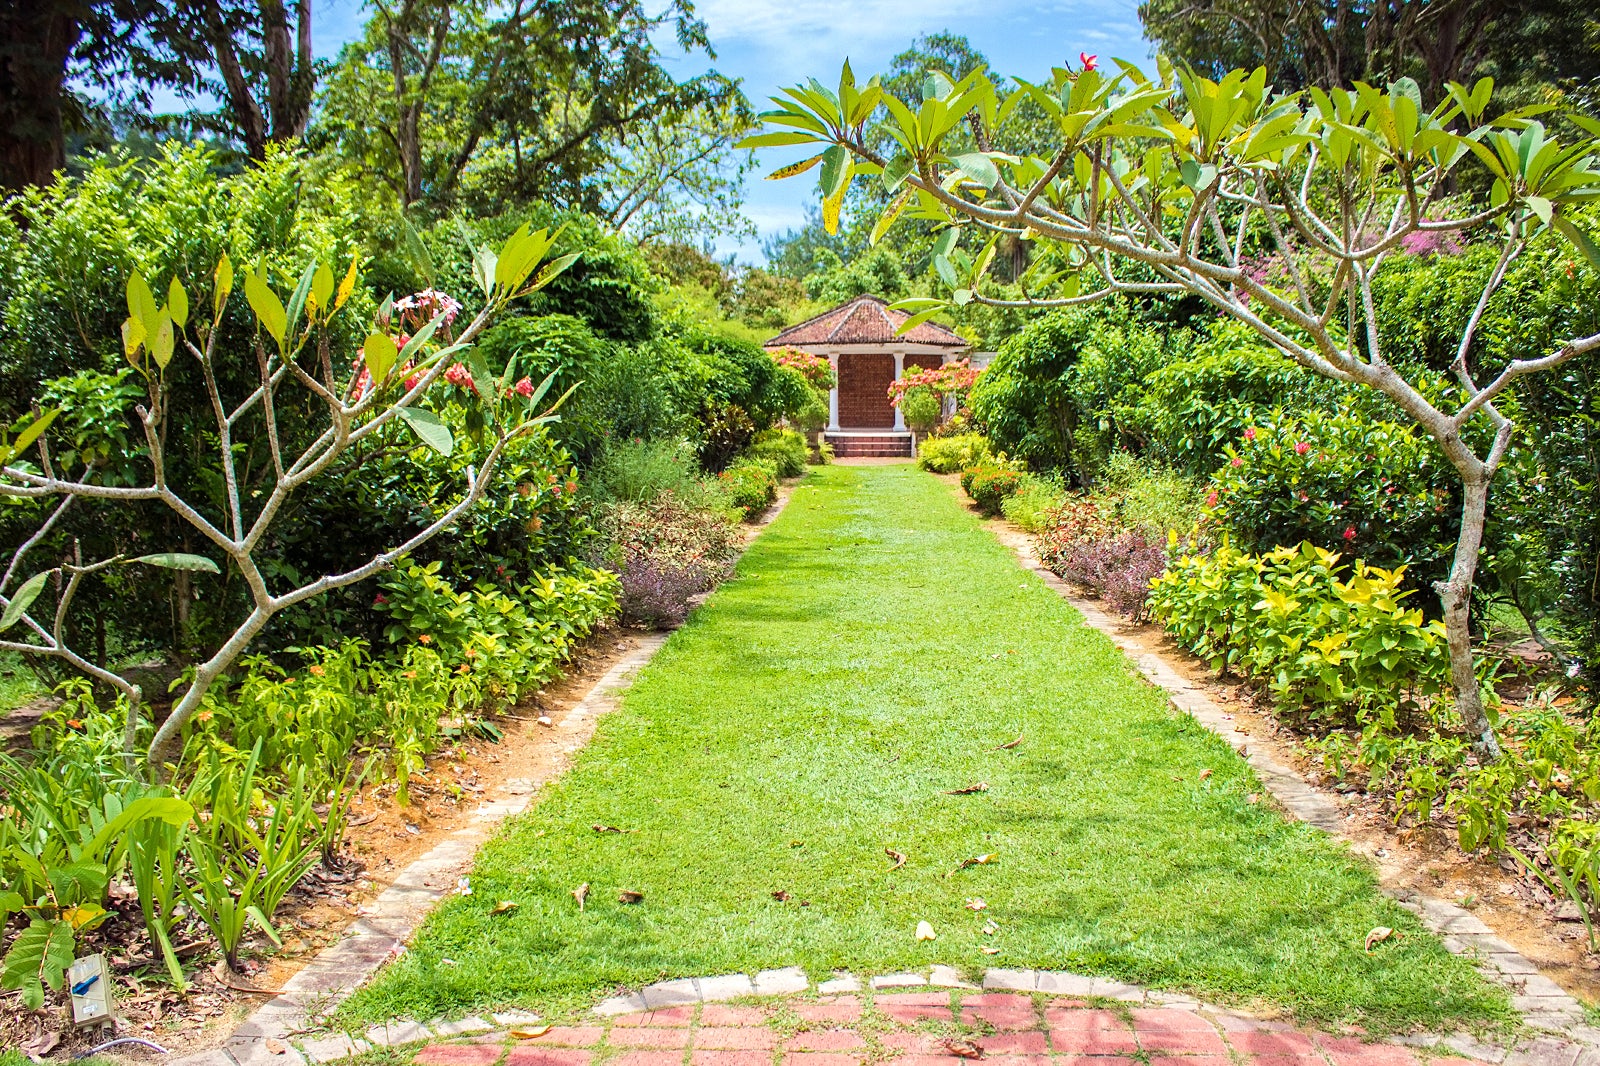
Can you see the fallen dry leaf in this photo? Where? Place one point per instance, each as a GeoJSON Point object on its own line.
{"type": "Point", "coordinates": [965, 1049]}
{"type": "Point", "coordinates": [980, 860]}
{"type": "Point", "coordinates": [899, 859]}
{"type": "Point", "coordinates": [989, 928]}
{"type": "Point", "coordinates": [275, 1046]}
{"type": "Point", "coordinates": [989, 950]}
{"type": "Point", "coordinates": [925, 931]}
{"type": "Point", "coordinates": [580, 894]}
{"type": "Point", "coordinates": [1252, 798]}
{"type": "Point", "coordinates": [42, 1044]}
{"type": "Point", "coordinates": [1011, 744]}
{"type": "Point", "coordinates": [505, 906]}
{"type": "Point", "coordinates": [1204, 774]}
{"type": "Point", "coordinates": [628, 895]}
{"type": "Point", "coordinates": [976, 903]}
{"type": "Point", "coordinates": [981, 786]}
{"type": "Point", "coordinates": [530, 1032]}
{"type": "Point", "coordinates": [544, 719]}
{"type": "Point", "coordinates": [1378, 936]}
{"type": "Point", "coordinates": [781, 896]}
{"type": "Point", "coordinates": [598, 828]}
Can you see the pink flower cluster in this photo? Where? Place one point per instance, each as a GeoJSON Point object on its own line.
{"type": "Point", "coordinates": [814, 368]}
{"type": "Point", "coordinates": [951, 379]}
{"type": "Point", "coordinates": [420, 308]}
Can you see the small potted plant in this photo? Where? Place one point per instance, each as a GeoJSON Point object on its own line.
{"type": "Point", "coordinates": [920, 406]}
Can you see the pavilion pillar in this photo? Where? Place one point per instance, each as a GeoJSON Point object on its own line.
{"type": "Point", "coordinates": [899, 369]}
{"type": "Point", "coordinates": [833, 395]}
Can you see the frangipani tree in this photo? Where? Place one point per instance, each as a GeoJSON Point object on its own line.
{"type": "Point", "coordinates": [1179, 184]}
{"type": "Point", "coordinates": [373, 395]}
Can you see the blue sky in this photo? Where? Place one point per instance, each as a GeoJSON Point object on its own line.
{"type": "Point", "coordinates": [772, 43]}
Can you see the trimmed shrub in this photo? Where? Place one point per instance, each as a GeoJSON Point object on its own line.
{"type": "Point", "coordinates": [1034, 503]}
{"type": "Point", "coordinates": [785, 449]}
{"type": "Point", "coordinates": [751, 485]}
{"type": "Point", "coordinates": [1320, 635]}
{"type": "Point", "coordinates": [1373, 488]}
{"type": "Point", "coordinates": [951, 455]}
{"type": "Point", "coordinates": [989, 483]}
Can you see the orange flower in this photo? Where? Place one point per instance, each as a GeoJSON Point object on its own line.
{"type": "Point", "coordinates": [410, 675]}
{"type": "Point", "coordinates": [471, 653]}
{"type": "Point", "coordinates": [464, 668]}
{"type": "Point", "coordinates": [319, 671]}
{"type": "Point", "coordinates": [203, 716]}
{"type": "Point", "coordinates": [425, 639]}
{"type": "Point", "coordinates": [74, 723]}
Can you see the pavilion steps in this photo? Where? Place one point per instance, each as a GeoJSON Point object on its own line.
{"type": "Point", "coordinates": [859, 445]}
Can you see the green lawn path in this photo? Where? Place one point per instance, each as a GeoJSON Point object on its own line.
{"type": "Point", "coordinates": [873, 650]}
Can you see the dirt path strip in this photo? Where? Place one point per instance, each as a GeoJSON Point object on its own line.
{"type": "Point", "coordinates": [391, 919]}
{"type": "Point", "coordinates": [1544, 1004]}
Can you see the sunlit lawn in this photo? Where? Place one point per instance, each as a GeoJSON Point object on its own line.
{"type": "Point", "coordinates": [875, 650]}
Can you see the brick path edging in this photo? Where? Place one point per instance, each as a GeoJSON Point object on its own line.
{"type": "Point", "coordinates": [1544, 1004]}
{"type": "Point", "coordinates": [667, 999]}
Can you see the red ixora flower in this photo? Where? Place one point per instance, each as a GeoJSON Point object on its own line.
{"type": "Point", "coordinates": [1089, 61]}
{"type": "Point", "coordinates": [1349, 533]}
{"type": "Point", "coordinates": [1211, 499]}
{"type": "Point", "coordinates": [1250, 433]}
{"type": "Point", "coordinates": [1237, 461]}
{"type": "Point", "coordinates": [379, 600]}
{"type": "Point", "coordinates": [1301, 447]}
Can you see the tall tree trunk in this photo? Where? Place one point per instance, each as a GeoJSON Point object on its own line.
{"type": "Point", "coordinates": [36, 39]}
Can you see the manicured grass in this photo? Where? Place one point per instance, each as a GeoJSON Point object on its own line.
{"type": "Point", "coordinates": [874, 650]}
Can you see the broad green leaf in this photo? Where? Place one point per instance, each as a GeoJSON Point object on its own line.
{"type": "Point", "coordinates": [380, 354]}
{"type": "Point", "coordinates": [1580, 240]}
{"type": "Point", "coordinates": [1541, 207]}
{"type": "Point", "coordinates": [141, 301]}
{"type": "Point", "coordinates": [169, 809]}
{"type": "Point", "coordinates": [429, 429]}
{"type": "Point", "coordinates": [777, 139]}
{"type": "Point", "coordinates": [321, 288]}
{"type": "Point", "coordinates": [178, 561]}
{"type": "Point", "coordinates": [835, 171]}
{"type": "Point", "coordinates": [162, 341]}
{"type": "Point", "coordinates": [548, 272]}
{"type": "Point", "coordinates": [979, 167]}
{"type": "Point", "coordinates": [268, 308]}
{"type": "Point", "coordinates": [302, 291]}
{"type": "Point", "coordinates": [421, 337]}
{"type": "Point", "coordinates": [224, 285]}
{"type": "Point", "coordinates": [133, 335]}
{"type": "Point", "coordinates": [482, 380]}
{"type": "Point", "coordinates": [178, 303]}
{"type": "Point", "coordinates": [22, 599]}
{"type": "Point", "coordinates": [30, 434]}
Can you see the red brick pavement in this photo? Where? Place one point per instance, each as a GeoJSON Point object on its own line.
{"type": "Point", "coordinates": [917, 1028]}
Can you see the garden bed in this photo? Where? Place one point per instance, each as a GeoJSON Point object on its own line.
{"type": "Point", "coordinates": [1422, 858]}
{"type": "Point", "coordinates": [383, 838]}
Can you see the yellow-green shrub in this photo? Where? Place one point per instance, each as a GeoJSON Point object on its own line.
{"type": "Point", "coordinates": [1320, 635]}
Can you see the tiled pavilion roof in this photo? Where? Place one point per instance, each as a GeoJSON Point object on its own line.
{"type": "Point", "coordinates": [864, 320]}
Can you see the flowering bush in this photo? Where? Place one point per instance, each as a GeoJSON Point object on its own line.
{"type": "Point", "coordinates": [1319, 635]}
{"type": "Point", "coordinates": [1371, 488]}
{"type": "Point", "coordinates": [664, 552]}
{"type": "Point", "coordinates": [817, 371]}
{"type": "Point", "coordinates": [751, 484]}
{"type": "Point", "coordinates": [990, 482]}
{"type": "Point", "coordinates": [952, 379]}
{"type": "Point", "coordinates": [921, 408]}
